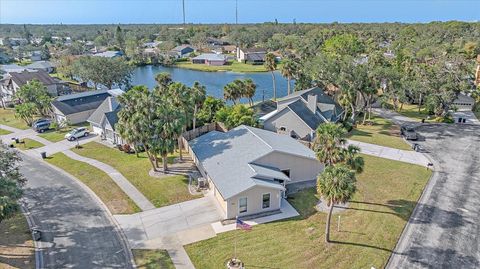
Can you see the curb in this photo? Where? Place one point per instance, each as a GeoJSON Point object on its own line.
{"type": "Point", "coordinates": [38, 250]}
{"type": "Point", "coordinates": [104, 208]}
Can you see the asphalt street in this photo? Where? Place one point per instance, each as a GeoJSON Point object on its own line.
{"type": "Point", "coordinates": [444, 230]}
{"type": "Point", "coordinates": [76, 231]}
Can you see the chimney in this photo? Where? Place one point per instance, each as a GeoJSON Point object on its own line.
{"type": "Point", "coordinates": [312, 103]}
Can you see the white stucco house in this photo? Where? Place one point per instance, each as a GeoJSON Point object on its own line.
{"type": "Point", "coordinates": [251, 170]}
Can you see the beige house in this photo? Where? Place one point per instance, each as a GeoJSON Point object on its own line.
{"type": "Point", "coordinates": [251, 170]}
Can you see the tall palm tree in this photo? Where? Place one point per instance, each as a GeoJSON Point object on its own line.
{"type": "Point", "coordinates": [271, 65]}
{"type": "Point", "coordinates": [352, 160]}
{"type": "Point", "coordinates": [163, 80]}
{"type": "Point", "coordinates": [181, 97]}
{"type": "Point", "coordinates": [329, 142]}
{"type": "Point", "coordinates": [250, 89]}
{"type": "Point", "coordinates": [198, 94]}
{"type": "Point", "coordinates": [229, 93]}
{"type": "Point", "coordinates": [337, 184]}
{"type": "Point", "coordinates": [288, 70]}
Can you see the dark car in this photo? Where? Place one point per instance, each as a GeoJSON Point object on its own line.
{"type": "Point", "coordinates": [42, 126]}
{"type": "Point", "coordinates": [408, 132]}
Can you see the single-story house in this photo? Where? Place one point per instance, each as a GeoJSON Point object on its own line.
{"type": "Point", "coordinates": [251, 170]}
{"type": "Point", "coordinates": [14, 80]}
{"type": "Point", "coordinates": [231, 49]}
{"type": "Point", "coordinates": [463, 102]}
{"type": "Point", "coordinates": [104, 119]}
{"type": "Point", "coordinates": [251, 55]}
{"type": "Point", "coordinates": [35, 56]}
{"type": "Point", "coordinates": [210, 59]}
{"type": "Point", "coordinates": [182, 51]}
{"type": "Point", "coordinates": [300, 113]}
{"type": "Point", "coordinates": [109, 54]}
{"type": "Point", "coordinates": [78, 107]}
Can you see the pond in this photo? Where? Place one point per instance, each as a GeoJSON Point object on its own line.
{"type": "Point", "coordinates": [214, 81]}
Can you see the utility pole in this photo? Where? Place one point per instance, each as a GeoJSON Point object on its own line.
{"type": "Point", "coordinates": [236, 11]}
{"type": "Point", "coordinates": [183, 5]}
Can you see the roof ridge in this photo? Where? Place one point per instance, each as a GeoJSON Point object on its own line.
{"type": "Point", "coordinates": [265, 142]}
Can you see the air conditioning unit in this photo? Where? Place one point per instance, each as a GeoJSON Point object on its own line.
{"type": "Point", "coordinates": [202, 183]}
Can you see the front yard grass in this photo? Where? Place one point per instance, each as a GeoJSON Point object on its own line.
{"type": "Point", "coordinates": [53, 135]}
{"type": "Point", "coordinates": [152, 259]}
{"type": "Point", "coordinates": [387, 192]}
{"type": "Point", "coordinates": [411, 111]}
{"type": "Point", "coordinates": [16, 244]}
{"type": "Point", "coordinates": [233, 66]}
{"type": "Point", "coordinates": [4, 132]}
{"type": "Point", "coordinates": [381, 132]}
{"type": "Point", "coordinates": [7, 117]}
{"type": "Point", "coordinates": [98, 181]}
{"type": "Point", "coordinates": [27, 143]}
{"type": "Point", "coordinates": [160, 191]}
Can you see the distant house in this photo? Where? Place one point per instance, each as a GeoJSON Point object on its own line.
{"type": "Point", "coordinates": [35, 56]}
{"type": "Point", "coordinates": [463, 102]}
{"type": "Point", "coordinates": [299, 114]}
{"type": "Point", "coordinates": [210, 59]}
{"type": "Point", "coordinates": [251, 55]}
{"type": "Point", "coordinates": [230, 49]}
{"type": "Point", "coordinates": [78, 107]}
{"type": "Point", "coordinates": [151, 45]}
{"type": "Point", "coordinates": [104, 119]}
{"type": "Point", "coordinates": [14, 80]}
{"type": "Point", "coordinates": [182, 51]}
{"type": "Point", "coordinates": [251, 170]}
{"type": "Point", "coordinates": [46, 66]}
{"type": "Point", "coordinates": [109, 54]}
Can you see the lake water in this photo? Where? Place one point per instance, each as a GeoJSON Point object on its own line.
{"type": "Point", "coordinates": [214, 81]}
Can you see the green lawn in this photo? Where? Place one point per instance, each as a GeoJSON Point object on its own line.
{"type": "Point", "coordinates": [160, 191]}
{"type": "Point", "coordinates": [4, 132]}
{"type": "Point", "coordinates": [233, 66]}
{"type": "Point", "coordinates": [152, 259]}
{"type": "Point", "coordinates": [59, 135]}
{"type": "Point", "coordinates": [98, 181]}
{"type": "Point", "coordinates": [16, 244]}
{"type": "Point", "coordinates": [370, 227]}
{"type": "Point", "coordinates": [7, 117]}
{"type": "Point", "coordinates": [380, 132]}
{"type": "Point", "coordinates": [411, 111]}
{"type": "Point", "coordinates": [28, 143]}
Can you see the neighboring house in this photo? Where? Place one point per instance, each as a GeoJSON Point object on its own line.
{"type": "Point", "coordinates": [104, 119]}
{"type": "Point", "coordinates": [7, 68]}
{"type": "Point", "coordinates": [230, 49]}
{"type": "Point", "coordinates": [78, 107]}
{"type": "Point", "coordinates": [109, 54]}
{"type": "Point", "coordinates": [150, 52]}
{"type": "Point", "coordinates": [210, 59]}
{"type": "Point", "coordinates": [35, 56]}
{"type": "Point", "coordinates": [182, 51]}
{"type": "Point", "coordinates": [151, 45]}
{"type": "Point", "coordinates": [46, 66]}
{"type": "Point", "coordinates": [300, 113]}
{"type": "Point", "coordinates": [251, 55]}
{"type": "Point", "coordinates": [14, 80]}
{"type": "Point", "coordinates": [463, 102]}
{"type": "Point", "coordinates": [250, 170]}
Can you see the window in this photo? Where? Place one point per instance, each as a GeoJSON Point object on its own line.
{"type": "Point", "coordinates": [283, 129]}
{"type": "Point", "coordinates": [266, 200]}
{"type": "Point", "coordinates": [286, 172]}
{"type": "Point", "coordinates": [242, 205]}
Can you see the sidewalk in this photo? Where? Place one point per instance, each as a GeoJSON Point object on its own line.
{"type": "Point", "coordinates": [393, 116]}
{"type": "Point", "coordinates": [412, 157]}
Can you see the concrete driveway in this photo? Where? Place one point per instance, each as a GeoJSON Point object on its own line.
{"type": "Point", "coordinates": [151, 228]}
{"type": "Point", "coordinates": [444, 230]}
{"type": "Point", "coordinates": [77, 231]}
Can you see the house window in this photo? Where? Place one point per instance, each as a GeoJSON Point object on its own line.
{"type": "Point", "coordinates": [242, 205]}
{"type": "Point", "coordinates": [283, 129]}
{"type": "Point", "coordinates": [266, 200]}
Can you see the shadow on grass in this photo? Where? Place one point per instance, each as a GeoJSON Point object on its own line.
{"type": "Point", "coordinates": [360, 245]}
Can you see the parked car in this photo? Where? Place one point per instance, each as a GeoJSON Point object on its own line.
{"type": "Point", "coordinates": [41, 125]}
{"type": "Point", "coordinates": [408, 132]}
{"type": "Point", "coordinates": [77, 133]}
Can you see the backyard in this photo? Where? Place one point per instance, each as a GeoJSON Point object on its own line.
{"type": "Point", "coordinates": [381, 132]}
{"type": "Point", "coordinates": [7, 117]}
{"type": "Point", "coordinates": [369, 227]}
{"type": "Point", "coordinates": [233, 66]}
{"type": "Point", "coordinates": [152, 259]}
{"type": "Point", "coordinates": [16, 244]}
{"type": "Point", "coordinates": [160, 191]}
{"type": "Point", "coordinates": [98, 181]}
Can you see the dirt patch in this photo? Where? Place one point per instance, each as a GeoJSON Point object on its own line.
{"type": "Point", "coordinates": [16, 244]}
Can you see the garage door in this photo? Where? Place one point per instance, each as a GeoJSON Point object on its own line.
{"type": "Point", "coordinates": [97, 130]}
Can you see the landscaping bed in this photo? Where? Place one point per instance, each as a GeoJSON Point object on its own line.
{"type": "Point", "coordinates": [16, 244]}
{"type": "Point", "coordinates": [7, 117]}
{"type": "Point", "coordinates": [98, 181]}
{"type": "Point", "coordinates": [160, 191]}
{"type": "Point", "coordinates": [379, 131]}
{"type": "Point", "coordinates": [152, 259]}
{"type": "Point", "coordinates": [387, 192]}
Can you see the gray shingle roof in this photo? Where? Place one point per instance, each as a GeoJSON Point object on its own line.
{"type": "Point", "coordinates": [108, 105]}
{"type": "Point", "coordinates": [228, 158]}
{"type": "Point", "coordinates": [79, 102]}
{"type": "Point", "coordinates": [211, 57]}
{"type": "Point", "coordinates": [311, 119]}
{"type": "Point", "coordinates": [22, 78]}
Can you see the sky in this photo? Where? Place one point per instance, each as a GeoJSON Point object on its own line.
{"type": "Point", "coordinates": [223, 11]}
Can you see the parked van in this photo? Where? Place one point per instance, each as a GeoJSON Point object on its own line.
{"type": "Point", "coordinates": [41, 126]}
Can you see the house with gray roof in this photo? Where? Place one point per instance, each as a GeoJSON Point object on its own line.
{"type": "Point", "coordinates": [78, 107]}
{"type": "Point", "coordinates": [104, 119]}
{"type": "Point", "coordinates": [251, 170]}
{"type": "Point", "coordinates": [300, 113]}
{"type": "Point", "coordinates": [210, 59]}
{"type": "Point", "coordinates": [182, 51]}
{"type": "Point", "coordinates": [251, 55]}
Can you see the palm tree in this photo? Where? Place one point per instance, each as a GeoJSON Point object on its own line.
{"type": "Point", "coordinates": [250, 89]}
{"type": "Point", "coordinates": [336, 184]}
{"type": "Point", "coordinates": [198, 95]}
{"type": "Point", "coordinates": [181, 97]}
{"type": "Point", "coordinates": [271, 65]}
{"type": "Point", "coordinates": [329, 142]}
{"type": "Point", "coordinates": [352, 160]}
{"type": "Point", "coordinates": [163, 79]}
{"type": "Point", "coordinates": [229, 93]}
{"type": "Point", "coordinates": [288, 70]}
